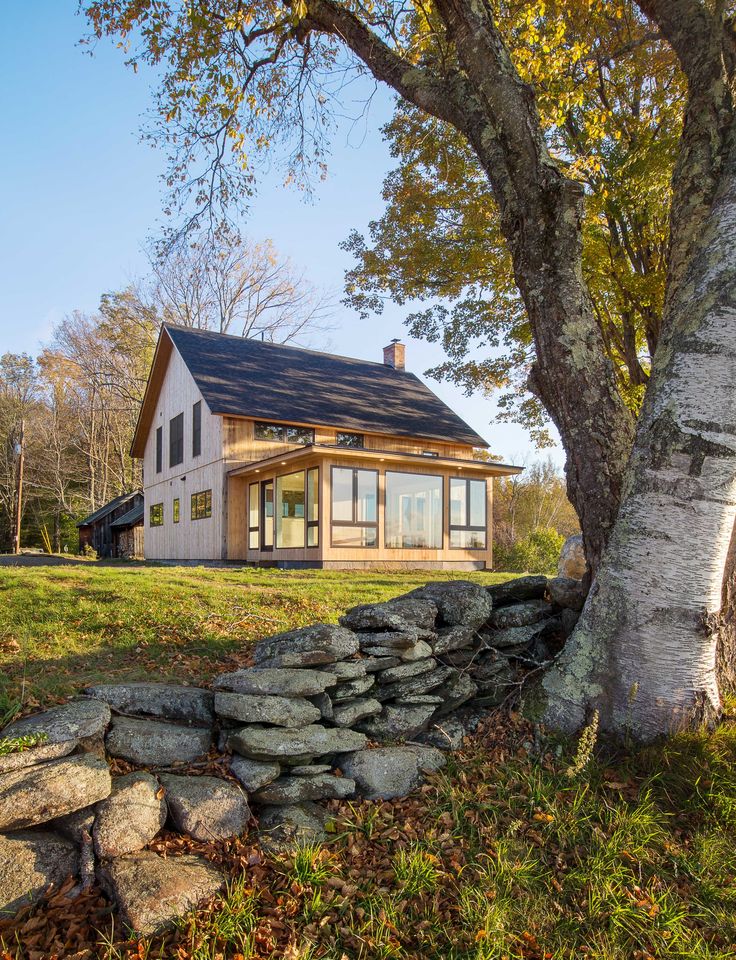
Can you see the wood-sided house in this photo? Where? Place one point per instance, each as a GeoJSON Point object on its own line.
{"type": "Point", "coordinates": [277, 455]}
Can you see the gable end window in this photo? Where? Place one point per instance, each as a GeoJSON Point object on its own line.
{"type": "Point", "coordinates": [202, 505]}
{"type": "Point", "coordinates": [159, 449]}
{"type": "Point", "coordinates": [176, 440]}
{"type": "Point", "coordinates": [156, 515]}
{"type": "Point", "coordinates": [343, 439]}
{"type": "Point", "coordinates": [282, 433]}
{"type": "Point", "coordinates": [197, 428]}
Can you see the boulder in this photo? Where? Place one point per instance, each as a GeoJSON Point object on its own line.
{"type": "Point", "coordinates": [291, 825]}
{"type": "Point", "coordinates": [520, 614]}
{"type": "Point", "coordinates": [322, 639]}
{"type": "Point", "coordinates": [207, 808]}
{"type": "Point", "coordinates": [453, 638]}
{"type": "Point", "coordinates": [38, 794]}
{"type": "Point", "coordinates": [404, 614]}
{"type": "Point", "coordinates": [459, 602]}
{"type": "Point", "coordinates": [320, 786]}
{"type": "Point", "coordinates": [167, 701]}
{"type": "Point", "coordinates": [30, 861]}
{"type": "Point", "coordinates": [79, 723]}
{"type": "Point", "coordinates": [155, 744]}
{"type": "Point", "coordinates": [567, 593]}
{"type": "Point", "coordinates": [388, 772]}
{"type": "Point", "coordinates": [398, 721]}
{"type": "Point", "coordinates": [406, 670]}
{"type": "Point", "coordinates": [282, 682]}
{"type": "Point", "coordinates": [254, 774]}
{"type": "Point", "coordinates": [256, 708]}
{"type": "Point", "coordinates": [515, 591]}
{"type": "Point", "coordinates": [152, 892]}
{"type": "Point", "coordinates": [413, 685]}
{"type": "Point", "coordinates": [420, 651]}
{"type": "Point", "coordinates": [130, 817]}
{"type": "Point", "coordinates": [572, 558]}
{"type": "Point", "coordinates": [349, 712]}
{"type": "Point", "coordinates": [264, 743]}
{"type": "Point", "coordinates": [351, 689]}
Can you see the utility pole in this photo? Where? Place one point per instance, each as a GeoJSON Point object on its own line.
{"type": "Point", "coordinates": [19, 492]}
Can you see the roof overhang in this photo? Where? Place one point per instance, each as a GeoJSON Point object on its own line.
{"type": "Point", "coordinates": [485, 468]}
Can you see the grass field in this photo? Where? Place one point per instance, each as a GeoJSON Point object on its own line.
{"type": "Point", "coordinates": [525, 847]}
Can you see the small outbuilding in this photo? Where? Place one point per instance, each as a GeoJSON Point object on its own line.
{"type": "Point", "coordinates": [115, 530]}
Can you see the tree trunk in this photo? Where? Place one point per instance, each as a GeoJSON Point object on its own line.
{"type": "Point", "coordinates": [644, 651]}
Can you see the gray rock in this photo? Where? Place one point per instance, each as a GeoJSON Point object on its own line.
{"type": "Point", "coordinates": [313, 741]}
{"type": "Point", "coordinates": [152, 892]}
{"type": "Point", "coordinates": [419, 651]}
{"type": "Point", "coordinates": [572, 558]}
{"type": "Point", "coordinates": [520, 614]}
{"type": "Point", "coordinates": [418, 698]}
{"type": "Point", "coordinates": [388, 772]}
{"type": "Point", "coordinates": [398, 721]}
{"type": "Point", "coordinates": [155, 744]}
{"type": "Point", "coordinates": [308, 769]}
{"type": "Point", "coordinates": [457, 691]}
{"type": "Point", "coordinates": [130, 817]}
{"type": "Point", "coordinates": [291, 825]}
{"type": "Point", "coordinates": [413, 685]}
{"type": "Point", "coordinates": [79, 723]}
{"type": "Point", "coordinates": [404, 614]}
{"type": "Point", "coordinates": [323, 703]}
{"type": "Point", "coordinates": [207, 808]}
{"type": "Point", "coordinates": [384, 653]}
{"type": "Point", "coordinates": [374, 664]}
{"type": "Point", "coordinates": [350, 711]}
{"type": "Point", "coordinates": [453, 638]}
{"type": "Point", "coordinates": [388, 640]}
{"type": "Point", "coordinates": [352, 688]}
{"type": "Point", "coordinates": [167, 701]}
{"type": "Point", "coordinates": [255, 708]}
{"type": "Point", "coordinates": [320, 786]}
{"type": "Point", "coordinates": [334, 643]}
{"type": "Point", "coordinates": [568, 622]}
{"type": "Point", "coordinates": [459, 602]}
{"type": "Point", "coordinates": [348, 669]}
{"type": "Point", "coordinates": [406, 670]}
{"type": "Point", "coordinates": [282, 682]}
{"type": "Point", "coordinates": [445, 734]}
{"type": "Point", "coordinates": [30, 861]}
{"type": "Point", "coordinates": [74, 826]}
{"type": "Point", "coordinates": [517, 637]}
{"type": "Point", "coordinates": [38, 794]}
{"type": "Point", "coordinates": [290, 661]}
{"type": "Point", "coordinates": [254, 774]}
{"type": "Point", "coordinates": [567, 593]}
{"type": "Point", "coordinates": [514, 591]}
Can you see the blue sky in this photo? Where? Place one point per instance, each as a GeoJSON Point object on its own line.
{"type": "Point", "coordinates": [80, 195]}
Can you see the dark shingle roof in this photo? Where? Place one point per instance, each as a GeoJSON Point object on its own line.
{"type": "Point", "coordinates": [107, 508]}
{"type": "Point", "coordinates": [269, 381]}
{"type": "Point", "coordinates": [129, 519]}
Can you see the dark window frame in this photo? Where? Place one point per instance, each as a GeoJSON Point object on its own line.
{"type": "Point", "coordinates": [468, 527]}
{"type": "Point", "coordinates": [176, 440]}
{"type": "Point", "coordinates": [355, 522]}
{"type": "Point", "coordinates": [159, 449]}
{"type": "Point", "coordinates": [268, 547]}
{"type": "Point", "coordinates": [350, 433]}
{"type": "Point", "coordinates": [312, 524]}
{"type": "Point", "coordinates": [281, 476]}
{"type": "Point", "coordinates": [282, 429]}
{"type": "Point", "coordinates": [257, 528]}
{"type": "Point", "coordinates": [197, 428]}
{"type": "Point", "coordinates": [411, 473]}
{"type": "Point", "coordinates": [176, 510]}
{"type": "Point", "coordinates": [156, 515]}
{"type": "Point", "coordinates": [206, 509]}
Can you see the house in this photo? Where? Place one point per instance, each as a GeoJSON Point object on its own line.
{"type": "Point", "coordinates": [115, 529]}
{"type": "Point", "coordinates": [281, 456]}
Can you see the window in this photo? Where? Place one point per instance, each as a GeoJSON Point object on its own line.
{"type": "Point", "coordinates": [430, 453]}
{"type": "Point", "coordinates": [197, 428]}
{"type": "Point", "coordinates": [176, 440]}
{"type": "Point", "coordinates": [313, 507]}
{"type": "Point", "coordinates": [176, 510]}
{"type": "Point", "coordinates": [354, 507]}
{"type": "Point", "coordinates": [349, 439]}
{"type": "Point", "coordinates": [253, 517]}
{"type": "Point", "coordinates": [156, 515]}
{"type": "Point", "coordinates": [413, 511]}
{"type": "Point", "coordinates": [159, 448]}
{"type": "Point", "coordinates": [290, 513]}
{"type": "Point", "coordinates": [282, 433]}
{"type": "Point", "coordinates": [267, 532]}
{"type": "Point", "coordinates": [467, 514]}
{"type": "Point", "coordinates": [202, 505]}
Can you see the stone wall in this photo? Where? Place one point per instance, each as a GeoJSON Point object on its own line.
{"type": "Point", "coordinates": [362, 709]}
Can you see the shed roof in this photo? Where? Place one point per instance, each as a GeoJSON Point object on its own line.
{"type": "Point", "coordinates": [103, 511]}
{"type": "Point", "coordinates": [130, 519]}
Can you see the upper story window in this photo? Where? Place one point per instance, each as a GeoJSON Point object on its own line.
{"type": "Point", "coordinates": [176, 440]}
{"type": "Point", "coordinates": [343, 439]}
{"type": "Point", "coordinates": [283, 433]}
{"type": "Point", "coordinates": [159, 449]}
{"type": "Point", "coordinates": [430, 453]}
{"type": "Point", "coordinates": [197, 428]}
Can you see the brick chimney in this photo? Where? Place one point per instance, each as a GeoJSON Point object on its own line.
{"type": "Point", "coordinates": [394, 355]}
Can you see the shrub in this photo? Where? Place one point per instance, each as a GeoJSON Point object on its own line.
{"type": "Point", "coordinates": [537, 553]}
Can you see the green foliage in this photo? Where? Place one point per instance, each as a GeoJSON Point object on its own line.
{"type": "Point", "coordinates": [536, 553]}
{"type": "Point", "coordinates": [10, 745]}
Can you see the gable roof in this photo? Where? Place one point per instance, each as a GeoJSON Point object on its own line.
{"type": "Point", "coordinates": [130, 519]}
{"type": "Point", "coordinates": [269, 381]}
{"type": "Point", "coordinates": [108, 508]}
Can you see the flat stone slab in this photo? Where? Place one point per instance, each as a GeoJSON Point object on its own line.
{"type": "Point", "coordinates": [458, 690]}
{"type": "Point", "coordinates": [389, 639]}
{"type": "Point", "coordinates": [282, 682]}
{"type": "Point", "coordinates": [207, 808]}
{"type": "Point", "coordinates": [520, 614]}
{"type": "Point", "coordinates": [388, 772]}
{"type": "Point", "coordinates": [413, 685]}
{"type": "Point", "coordinates": [348, 669]}
{"type": "Point", "coordinates": [446, 734]}
{"type": "Point", "coordinates": [332, 642]}
{"type": "Point", "coordinates": [450, 639]}
{"type": "Point", "coordinates": [518, 636]}
{"type": "Point", "coordinates": [406, 670]}
{"type": "Point", "coordinates": [156, 744]}
{"type": "Point", "coordinates": [352, 688]}
{"type": "Point", "coordinates": [399, 721]}
{"type": "Point", "coordinates": [130, 817]}
{"type": "Point", "coordinates": [167, 701]}
{"type": "Point", "coordinates": [459, 602]}
{"type": "Point", "coordinates": [256, 708]}
{"type": "Point", "coordinates": [254, 774]}
{"type": "Point", "coordinates": [30, 861]}
{"type": "Point", "coordinates": [349, 712]}
{"type": "Point", "coordinates": [79, 722]}
{"type": "Point", "coordinates": [312, 741]}
{"type": "Point", "coordinates": [291, 825]}
{"type": "Point", "coordinates": [319, 786]}
{"type": "Point", "coordinates": [38, 794]}
{"type": "Point", "coordinates": [152, 892]}
{"type": "Point", "coordinates": [521, 588]}
{"type": "Point", "coordinates": [404, 614]}
{"type": "Point", "coordinates": [375, 663]}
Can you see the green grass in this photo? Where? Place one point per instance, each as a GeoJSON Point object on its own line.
{"type": "Point", "coordinates": [64, 627]}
